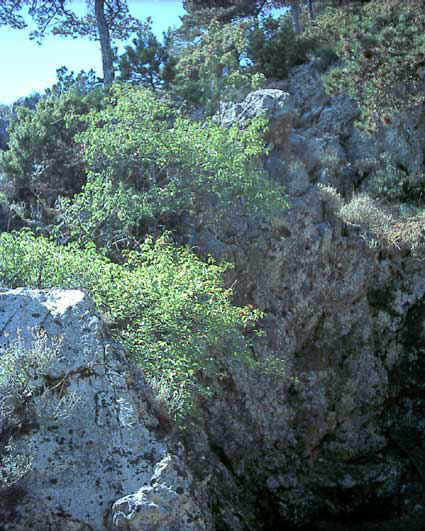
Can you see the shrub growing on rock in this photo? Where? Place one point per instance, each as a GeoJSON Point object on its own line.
{"type": "Point", "coordinates": [107, 214]}
{"type": "Point", "coordinates": [167, 307]}
{"type": "Point", "coordinates": [382, 50]}
{"type": "Point", "coordinates": [174, 169]}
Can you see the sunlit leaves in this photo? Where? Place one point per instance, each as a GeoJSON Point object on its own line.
{"type": "Point", "coordinates": [167, 307]}
{"type": "Point", "coordinates": [178, 167]}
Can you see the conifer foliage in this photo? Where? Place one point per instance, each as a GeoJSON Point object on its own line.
{"type": "Point", "coordinates": [148, 62]}
{"type": "Point", "coordinates": [105, 20]}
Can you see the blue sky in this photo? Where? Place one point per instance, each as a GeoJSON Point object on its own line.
{"type": "Point", "coordinates": [27, 67]}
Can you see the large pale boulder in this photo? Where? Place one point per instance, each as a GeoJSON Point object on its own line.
{"type": "Point", "coordinates": [271, 103]}
{"type": "Point", "coordinates": [106, 447]}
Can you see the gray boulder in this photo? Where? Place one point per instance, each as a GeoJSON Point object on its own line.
{"type": "Point", "coordinates": [271, 103]}
{"type": "Point", "coordinates": [106, 447]}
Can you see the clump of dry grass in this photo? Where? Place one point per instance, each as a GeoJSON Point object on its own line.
{"type": "Point", "coordinates": [408, 233]}
{"type": "Point", "coordinates": [363, 210]}
{"type": "Point", "coordinates": [333, 199]}
{"type": "Point", "coordinates": [384, 226]}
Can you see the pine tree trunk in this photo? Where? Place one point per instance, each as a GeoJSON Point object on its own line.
{"type": "Point", "coordinates": [105, 43]}
{"type": "Point", "coordinates": [296, 16]}
{"type": "Point", "coordinates": [310, 10]}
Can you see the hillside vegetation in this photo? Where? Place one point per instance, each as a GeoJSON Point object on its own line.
{"type": "Point", "coordinates": [381, 51]}
{"type": "Point", "coordinates": [101, 176]}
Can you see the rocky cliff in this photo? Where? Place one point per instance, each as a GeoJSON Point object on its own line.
{"type": "Point", "coordinates": [336, 433]}
{"type": "Point", "coordinates": [341, 433]}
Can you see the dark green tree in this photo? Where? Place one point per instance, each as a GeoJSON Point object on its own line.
{"type": "Point", "coordinates": [274, 47]}
{"type": "Point", "coordinates": [202, 11]}
{"type": "Point", "coordinates": [226, 10]}
{"type": "Point", "coordinates": [105, 20]}
{"type": "Point", "coordinates": [149, 62]}
{"type": "Point", "coordinates": [43, 160]}
{"type": "Point", "coordinates": [82, 83]}
{"type": "Point", "coordinates": [5, 116]}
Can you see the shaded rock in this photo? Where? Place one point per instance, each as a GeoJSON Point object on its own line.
{"type": "Point", "coordinates": [164, 505]}
{"type": "Point", "coordinates": [307, 93]}
{"type": "Point", "coordinates": [363, 153]}
{"type": "Point", "coordinates": [313, 438]}
{"type": "Point", "coordinates": [337, 118]}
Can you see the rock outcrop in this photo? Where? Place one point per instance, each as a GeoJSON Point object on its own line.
{"type": "Point", "coordinates": [103, 464]}
{"type": "Point", "coordinates": [317, 443]}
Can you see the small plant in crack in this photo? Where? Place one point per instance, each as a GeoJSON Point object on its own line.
{"type": "Point", "coordinates": [23, 382]}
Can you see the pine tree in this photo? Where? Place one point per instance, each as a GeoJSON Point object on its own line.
{"type": "Point", "coordinates": [105, 20]}
{"type": "Point", "coordinates": [148, 62]}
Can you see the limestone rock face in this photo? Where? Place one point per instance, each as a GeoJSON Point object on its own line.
{"type": "Point", "coordinates": [106, 447]}
{"type": "Point", "coordinates": [343, 318]}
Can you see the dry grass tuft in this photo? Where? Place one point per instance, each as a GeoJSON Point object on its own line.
{"type": "Point", "coordinates": [385, 226]}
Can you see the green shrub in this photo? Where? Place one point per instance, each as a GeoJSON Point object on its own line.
{"type": "Point", "coordinates": [107, 214]}
{"type": "Point", "coordinates": [179, 169]}
{"type": "Point", "coordinates": [5, 117]}
{"type": "Point", "coordinates": [164, 304]}
{"type": "Point", "coordinates": [274, 48]}
{"type": "Point", "coordinates": [391, 183]}
{"type": "Point", "coordinates": [210, 70]}
{"type": "Point", "coordinates": [43, 159]}
{"type": "Point", "coordinates": [382, 47]}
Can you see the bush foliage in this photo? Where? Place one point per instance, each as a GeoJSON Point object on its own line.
{"type": "Point", "coordinates": [274, 48]}
{"type": "Point", "coordinates": [149, 166]}
{"type": "Point", "coordinates": [165, 305]}
{"type": "Point", "coordinates": [382, 50]}
{"type": "Point", "coordinates": [110, 215]}
{"type": "Point", "coordinates": [43, 159]}
{"type": "Point", "coordinates": [225, 61]}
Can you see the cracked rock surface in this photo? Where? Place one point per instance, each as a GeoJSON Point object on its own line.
{"type": "Point", "coordinates": [106, 447]}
